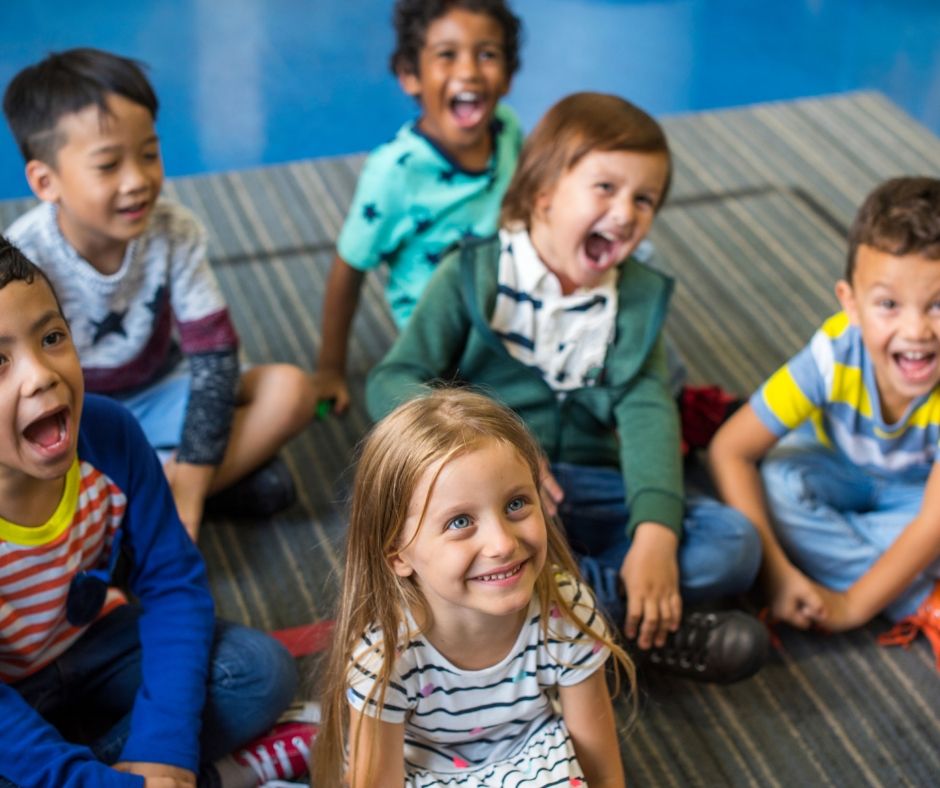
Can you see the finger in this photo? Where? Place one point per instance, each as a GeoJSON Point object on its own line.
{"type": "Point", "coordinates": [634, 615]}
{"type": "Point", "coordinates": [674, 612]}
{"type": "Point", "coordinates": [552, 487]}
{"type": "Point", "coordinates": [649, 629]}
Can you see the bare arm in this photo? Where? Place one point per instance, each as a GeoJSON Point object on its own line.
{"type": "Point", "coordinates": [734, 453]}
{"type": "Point", "coordinates": [384, 745]}
{"type": "Point", "coordinates": [343, 287]}
{"type": "Point", "coordinates": [916, 547]}
{"type": "Point", "coordinates": [589, 716]}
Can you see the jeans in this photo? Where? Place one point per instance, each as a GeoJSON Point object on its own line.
{"type": "Point", "coordinates": [88, 692]}
{"type": "Point", "coordinates": [719, 552]}
{"type": "Point", "coordinates": [834, 519]}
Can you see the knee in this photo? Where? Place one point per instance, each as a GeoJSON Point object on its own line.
{"type": "Point", "coordinates": [288, 394]}
{"type": "Point", "coordinates": [256, 667]}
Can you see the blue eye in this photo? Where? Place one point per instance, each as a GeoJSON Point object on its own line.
{"type": "Point", "coordinates": [517, 504]}
{"type": "Point", "coordinates": [458, 523]}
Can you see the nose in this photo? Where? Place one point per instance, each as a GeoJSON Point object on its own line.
{"type": "Point", "coordinates": [623, 210]}
{"type": "Point", "coordinates": [500, 538]}
{"type": "Point", "coordinates": [916, 325]}
{"type": "Point", "coordinates": [37, 375]}
{"type": "Point", "coordinates": [134, 178]}
{"type": "Point", "coordinates": [467, 67]}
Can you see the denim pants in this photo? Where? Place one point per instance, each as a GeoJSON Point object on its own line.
{"type": "Point", "coordinates": [834, 519]}
{"type": "Point", "coordinates": [719, 552]}
{"type": "Point", "coordinates": [89, 691]}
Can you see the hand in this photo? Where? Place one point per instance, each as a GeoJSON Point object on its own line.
{"type": "Point", "coordinates": [331, 384]}
{"type": "Point", "coordinates": [550, 489]}
{"type": "Point", "coordinates": [650, 573]}
{"type": "Point", "coordinates": [158, 775]}
{"type": "Point", "coordinates": [795, 599]}
{"type": "Point", "coordinates": [842, 610]}
{"type": "Point", "coordinates": [189, 485]}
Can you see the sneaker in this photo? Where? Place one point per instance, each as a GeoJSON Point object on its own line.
{"type": "Point", "coordinates": [281, 754]}
{"type": "Point", "coordinates": [265, 491]}
{"type": "Point", "coordinates": [926, 620]}
{"type": "Point", "coordinates": [721, 647]}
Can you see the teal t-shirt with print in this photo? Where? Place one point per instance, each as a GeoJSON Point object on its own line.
{"type": "Point", "coordinates": [412, 203]}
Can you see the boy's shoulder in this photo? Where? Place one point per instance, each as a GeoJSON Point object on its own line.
{"type": "Point", "coordinates": [109, 437]}
{"type": "Point", "coordinates": [38, 236]}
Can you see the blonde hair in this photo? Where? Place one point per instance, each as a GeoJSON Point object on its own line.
{"type": "Point", "coordinates": [432, 428]}
{"type": "Point", "coordinates": [572, 128]}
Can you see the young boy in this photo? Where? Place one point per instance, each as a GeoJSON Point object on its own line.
{"type": "Point", "coordinates": [441, 178]}
{"type": "Point", "coordinates": [96, 691]}
{"type": "Point", "coordinates": [555, 319]}
{"type": "Point", "coordinates": [849, 508]}
{"type": "Point", "coordinates": [130, 269]}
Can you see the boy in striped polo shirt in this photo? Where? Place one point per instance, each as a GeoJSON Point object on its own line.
{"type": "Point", "coordinates": [849, 508]}
{"type": "Point", "coordinates": [95, 690]}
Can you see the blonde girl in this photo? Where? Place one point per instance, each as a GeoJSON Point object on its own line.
{"type": "Point", "coordinates": [466, 651]}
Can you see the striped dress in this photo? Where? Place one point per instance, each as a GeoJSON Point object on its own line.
{"type": "Point", "coordinates": [497, 726]}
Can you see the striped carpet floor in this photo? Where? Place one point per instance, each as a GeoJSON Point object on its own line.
{"type": "Point", "coordinates": [754, 233]}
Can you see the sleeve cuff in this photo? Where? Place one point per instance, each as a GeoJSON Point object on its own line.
{"type": "Point", "coordinates": [656, 506]}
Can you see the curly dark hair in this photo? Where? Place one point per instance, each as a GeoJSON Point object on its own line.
{"type": "Point", "coordinates": [413, 17]}
{"type": "Point", "coordinates": [67, 82]}
{"type": "Point", "coordinates": [17, 267]}
{"type": "Point", "coordinates": [900, 217]}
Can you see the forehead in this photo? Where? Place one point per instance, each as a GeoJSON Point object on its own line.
{"type": "Point", "coordinates": [874, 267]}
{"type": "Point", "coordinates": [92, 126]}
{"type": "Point", "coordinates": [637, 165]}
{"type": "Point", "coordinates": [460, 24]}
{"type": "Point", "coordinates": [23, 302]}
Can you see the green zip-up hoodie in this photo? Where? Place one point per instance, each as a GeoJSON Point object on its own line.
{"type": "Point", "coordinates": [628, 419]}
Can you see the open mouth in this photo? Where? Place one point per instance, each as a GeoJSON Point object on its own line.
{"type": "Point", "coordinates": [602, 249]}
{"type": "Point", "coordinates": [916, 365]}
{"type": "Point", "coordinates": [468, 108]}
{"type": "Point", "coordinates": [49, 433]}
{"type": "Point", "coordinates": [134, 211]}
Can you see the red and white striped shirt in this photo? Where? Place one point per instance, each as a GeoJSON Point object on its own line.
{"type": "Point", "coordinates": [37, 565]}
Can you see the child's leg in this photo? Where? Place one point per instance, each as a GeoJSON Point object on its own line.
{"type": "Point", "coordinates": [834, 519]}
{"type": "Point", "coordinates": [719, 553]}
{"type": "Point", "coordinates": [275, 401]}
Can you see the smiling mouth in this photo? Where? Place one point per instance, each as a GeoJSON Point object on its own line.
{"type": "Point", "coordinates": [49, 432]}
{"type": "Point", "coordinates": [497, 576]}
{"type": "Point", "coordinates": [915, 365]}
{"type": "Point", "coordinates": [135, 209]}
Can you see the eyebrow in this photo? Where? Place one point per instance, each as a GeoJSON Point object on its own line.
{"type": "Point", "coordinates": [37, 325]}
{"type": "Point", "coordinates": [116, 148]}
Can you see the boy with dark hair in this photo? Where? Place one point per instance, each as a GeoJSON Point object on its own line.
{"type": "Point", "coordinates": [849, 507]}
{"type": "Point", "coordinates": [441, 178]}
{"type": "Point", "coordinates": [132, 273]}
{"type": "Point", "coordinates": [93, 690]}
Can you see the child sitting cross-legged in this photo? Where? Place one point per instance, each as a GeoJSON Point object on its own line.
{"type": "Point", "coordinates": [443, 175]}
{"type": "Point", "coordinates": [554, 318]}
{"type": "Point", "coordinates": [466, 650]}
{"type": "Point", "coordinates": [95, 690]}
{"type": "Point", "coordinates": [148, 318]}
{"type": "Point", "coordinates": [835, 457]}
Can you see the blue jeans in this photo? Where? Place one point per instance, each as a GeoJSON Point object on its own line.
{"type": "Point", "coordinates": [719, 553]}
{"type": "Point", "coordinates": [835, 519]}
{"type": "Point", "coordinates": [89, 691]}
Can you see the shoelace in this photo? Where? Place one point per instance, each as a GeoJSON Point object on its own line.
{"type": "Point", "coordinates": [904, 632]}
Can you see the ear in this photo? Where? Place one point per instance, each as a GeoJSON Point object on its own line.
{"type": "Point", "coordinates": [410, 83]}
{"type": "Point", "coordinates": [400, 565]}
{"type": "Point", "coordinates": [42, 180]}
{"type": "Point", "coordinates": [846, 296]}
{"type": "Point", "coordinates": [542, 204]}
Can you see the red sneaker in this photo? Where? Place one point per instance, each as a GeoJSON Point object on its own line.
{"type": "Point", "coordinates": [926, 620]}
{"type": "Point", "coordinates": [282, 753]}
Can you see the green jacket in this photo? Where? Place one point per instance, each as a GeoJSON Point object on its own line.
{"type": "Point", "coordinates": [628, 419]}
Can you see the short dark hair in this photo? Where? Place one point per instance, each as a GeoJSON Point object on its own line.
{"type": "Point", "coordinates": [901, 216]}
{"type": "Point", "coordinates": [412, 18]}
{"type": "Point", "coordinates": [571, 129]}
{"type": "Point", "coordinates": [17, 267]}
{"type": "Point", "coordinates": [65, 82]}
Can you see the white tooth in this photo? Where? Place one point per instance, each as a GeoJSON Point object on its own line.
{"type": "Point", "coordinates": [466, 95]}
